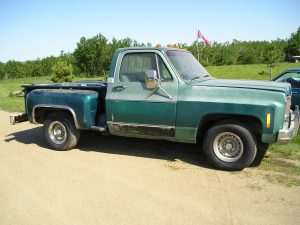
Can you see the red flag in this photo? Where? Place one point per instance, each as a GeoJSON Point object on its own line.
{"type": "Point", "coordinates": [200, 35]}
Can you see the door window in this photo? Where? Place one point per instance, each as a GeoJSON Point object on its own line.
{"type": "Point", "coordinates": [135, 65]}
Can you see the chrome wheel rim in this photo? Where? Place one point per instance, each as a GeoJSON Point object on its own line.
{"type": "Point", "coordinates": [228, 147]}
{"type": "Point", "coordinates": [58, 133]}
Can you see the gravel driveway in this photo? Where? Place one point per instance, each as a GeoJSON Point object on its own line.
{"type": "Point", "coordinates": [113, 180]}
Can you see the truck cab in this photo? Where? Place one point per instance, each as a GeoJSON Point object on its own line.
{"type": "Point", "coordinates": [133, 106]}
{"type": "Point", "coordinates": [165, 93]}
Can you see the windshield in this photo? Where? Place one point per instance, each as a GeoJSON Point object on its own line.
{"type": "Point", "coordinates": [186, 65]}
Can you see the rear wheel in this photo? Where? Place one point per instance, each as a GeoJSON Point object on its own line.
{"type": "Point", "coordinates": [60, 131]}
{"type": "Point", "coordinates": [229, 146]}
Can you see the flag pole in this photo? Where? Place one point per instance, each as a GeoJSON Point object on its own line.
{"type": "Point", "coordinates": [197, 43]}
{"type": "Point", "coordinates": [199, 35]}
{"type": "Point", "coordinates": [198, 50]}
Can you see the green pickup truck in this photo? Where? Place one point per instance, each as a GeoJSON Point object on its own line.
{"type": "Point", "coordinates": [164, 93]}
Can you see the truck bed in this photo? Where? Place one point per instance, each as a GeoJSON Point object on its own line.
{"type": "Point", "coordinates": [99, 86]}
{"type": "Point", "coordinates": [86, 85]}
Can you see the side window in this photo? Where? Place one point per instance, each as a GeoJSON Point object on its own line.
{"type": "Point", "coordinates": [165, 74]}
{"type": "Point", "coordinates": [134, 66]}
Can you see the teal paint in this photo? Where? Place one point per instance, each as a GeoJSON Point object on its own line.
{"type": "Point", "coordinates": [191, 101]}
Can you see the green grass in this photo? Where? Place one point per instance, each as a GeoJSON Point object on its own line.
{"type": "Point", "coordinates": [284, 159]}
{"type": "Point", "coordinates": [249, 72]}
{"type": "Point", "coordinates": [287, 181]}
{"type": "Point", "coordinates": [11, 103]}
{"type": "Point", "coordinates": [291, 151]}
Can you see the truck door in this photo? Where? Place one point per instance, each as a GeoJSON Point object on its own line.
{"type": "Point", "coordinates": [134, 109]}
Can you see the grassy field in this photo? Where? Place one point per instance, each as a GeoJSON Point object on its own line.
{"type": "Point", "coordinates": [249, 72]}
{"type": "Point", "coordinates": [281, 158]}
{"type": "Point", "coordinates": [15, 104]}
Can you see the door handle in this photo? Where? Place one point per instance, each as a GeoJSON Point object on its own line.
{"type": "Point", "coordinates": [119, 87]}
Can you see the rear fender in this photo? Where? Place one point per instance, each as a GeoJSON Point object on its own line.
{"type": "Point", "coordinates": [80, 104]}
{"type": "Point", "coordinates": [54, 108]}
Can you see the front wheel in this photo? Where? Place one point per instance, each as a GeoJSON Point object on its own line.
{"type": "Point", "coordinates": [229, 146]}
{"type": "Point", "coordinates": [60, 131]}
{"type": "Point", "coordinates": [261, 151]}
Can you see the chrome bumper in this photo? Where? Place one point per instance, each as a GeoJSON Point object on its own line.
{"type": "Point", "coordinates": [286, 135]}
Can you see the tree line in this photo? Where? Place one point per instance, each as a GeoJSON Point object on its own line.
{"type": "Point", "coordinates": [92, 56]}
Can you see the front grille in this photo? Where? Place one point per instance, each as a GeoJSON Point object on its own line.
{"type": "Point", "coordinates": [288, 109]}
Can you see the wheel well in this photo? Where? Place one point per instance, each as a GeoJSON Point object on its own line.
{"type": "Point", "coordinates": [40, 113]}
{"type": "Point", "coordinates": [253, 123]}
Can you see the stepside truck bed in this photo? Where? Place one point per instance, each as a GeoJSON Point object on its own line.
{"type": "Point", "coordinates": [98, 86]}
{"type": "Point", "coordinates": [88, 97]}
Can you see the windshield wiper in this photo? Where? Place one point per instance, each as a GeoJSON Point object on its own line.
{"type": "Point", "coordinates": [194, 78]}
{"type": "Point", "coordinates": [197, 77]}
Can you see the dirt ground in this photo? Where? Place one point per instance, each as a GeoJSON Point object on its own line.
{"type": "Point", "coordinates": [113, 180]}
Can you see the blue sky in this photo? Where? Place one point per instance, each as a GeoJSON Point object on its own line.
{"type": "Point", "coordinates": [31, 29]}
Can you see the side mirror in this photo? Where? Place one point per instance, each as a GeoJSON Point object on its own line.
{"type": "Point", "coordinates": [151, 79]}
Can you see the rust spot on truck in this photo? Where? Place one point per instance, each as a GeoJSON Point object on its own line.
{"type": "Point", "coordinates": [145, 129]}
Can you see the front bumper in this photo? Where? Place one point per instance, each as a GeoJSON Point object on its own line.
{"type": "Point", "coordinates": [287, 134]}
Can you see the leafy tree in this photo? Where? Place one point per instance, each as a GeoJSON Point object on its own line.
{"type": "Point", "coordinates": [272, 56]}
{"type": "Point", "coordinates": [14, 69]}
{"type": "Point", "coordinates": [293, 45]}
{"type": "Point", "coordinates": [46, 65]}
{"type": "Point", "coordinates": [2, 72]}
{"type": "Point", "coordinates": [62, 72]}
{"type": "Point", "coordinates": [92, 56]}
{"type": "Point", "coordinates": [33, 68]}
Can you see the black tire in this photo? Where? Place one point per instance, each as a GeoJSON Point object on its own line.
{"type": "Point", "coordinates": [60, 131]}
{"type": "Point", "coordinates": [261, 152]}
{"type": "Point", "coordinates": [229, 146]}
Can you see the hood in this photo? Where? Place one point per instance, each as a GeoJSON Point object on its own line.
{"type": "Point", "coordinates": [250, 84]}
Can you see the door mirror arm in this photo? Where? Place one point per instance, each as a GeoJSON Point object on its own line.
{"type": "Point", "coordinates": [152, 81]}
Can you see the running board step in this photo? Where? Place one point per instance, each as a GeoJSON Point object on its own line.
{"type": "Point", "coordinates": [99, 129]}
